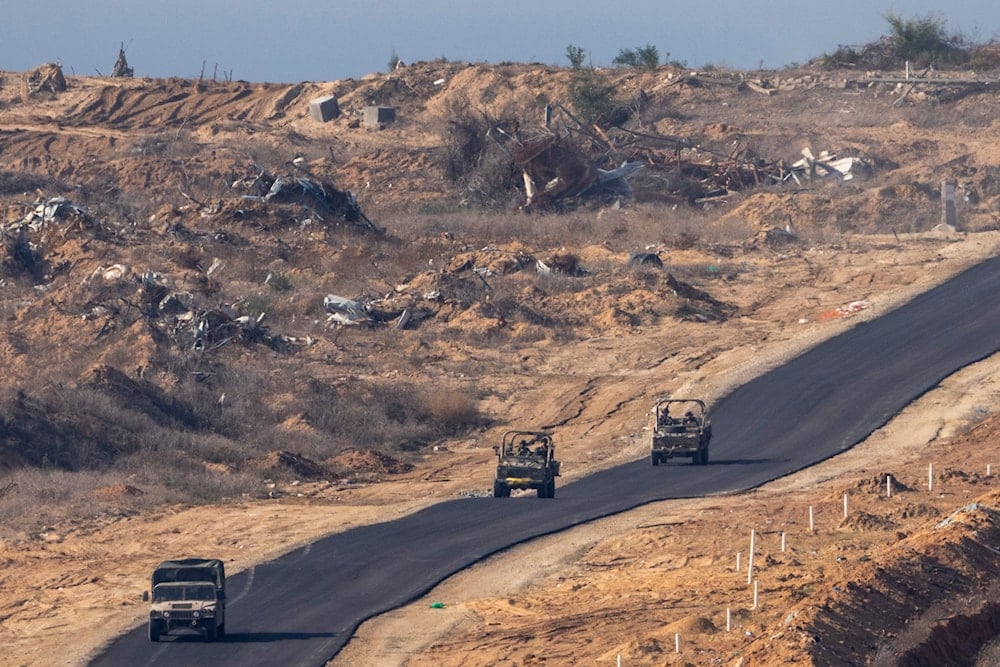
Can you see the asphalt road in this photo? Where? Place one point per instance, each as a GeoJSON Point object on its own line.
{"type": "Point", "coordinates": [302, 608]}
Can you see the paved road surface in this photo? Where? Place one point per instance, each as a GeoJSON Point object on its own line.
{"type": "Point", "coordinates": [302, 608]}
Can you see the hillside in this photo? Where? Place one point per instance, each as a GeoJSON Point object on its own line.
{"type": "Point", "coordinates": [197, 359]}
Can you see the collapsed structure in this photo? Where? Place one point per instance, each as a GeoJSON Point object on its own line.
{"type": "Point", "coordinates": [563, 168]}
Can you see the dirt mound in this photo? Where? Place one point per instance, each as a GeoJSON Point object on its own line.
{"type": "Point", "coordinates": [370, 461]}
{"type": "Point", "coordinates": [881, 484]}
{"type": "Point", "coordinates": [867, 521]}
{"type": "Point", "coordinates": [287, 462]}
{"type": "Point", "coordinates": [692, 625]}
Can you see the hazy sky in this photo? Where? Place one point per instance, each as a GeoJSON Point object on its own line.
{"type": "Point", "coordinates": [325, 40]}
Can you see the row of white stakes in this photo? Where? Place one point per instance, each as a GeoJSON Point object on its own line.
{"type": "Point", "coordinates": [812, 529]}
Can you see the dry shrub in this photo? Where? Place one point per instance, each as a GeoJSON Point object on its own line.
{"type": "Point", "coordinates": [184, 479]}
{"type": "Point", "coordinates": [39, 498]}
{"type": "Point", "coordinates": [472, 158]}
{"type": "Point", "coordinates": [450, 411]}
{"type": "Point", "coordinates": [21, 182]}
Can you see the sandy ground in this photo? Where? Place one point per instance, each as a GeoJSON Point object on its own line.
{"type": "Point", "coordinates": [80, 585]}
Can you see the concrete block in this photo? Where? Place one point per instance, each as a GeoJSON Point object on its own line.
{"type": "Point", "coordinates": [324, 108]}
{"type": "Point", "coordinates": [375, 116]}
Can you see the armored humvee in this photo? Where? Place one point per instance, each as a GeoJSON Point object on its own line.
{"type": "Point", "coordinates": [189, 593]}
{"type": "Point", "coordinates": [526, 460]}
{"type": "Point", "coordinates": [681, 428]}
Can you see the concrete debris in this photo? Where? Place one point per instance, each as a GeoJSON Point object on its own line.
{"type": "Point", "coordinates": [378, 117]}
{"type": "Point", "coordinates": [561, 169]}
{"type": "Point", "coordinates": [323, 109]}
{"type": "Point", "coordinates": [827, 165]}
{"type": "Point", "coordinates": [197, 328]}
{"type": "Point", "coordinates": [110, 274]}
{"type": "Point", "coordinates": [556, 171]}
{"type": "Point", "coordinates": [343, 310]}
{"type": "Point", "coordinates": [316, 196]}
{"type": "Point", "coordinates": [400, 309]}
{"type": "Point", "coordinates": [217, 327]}
{"type": "Point", "coordinates": [121, 68]}
{"type": "Point", "coordinates": [44, 78]}
{"type": "Point", "coordinates": [49, 210]}
{"type": "Point", "coordinates": [216, 266]}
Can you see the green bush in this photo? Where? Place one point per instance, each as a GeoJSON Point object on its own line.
{"type": "Point", "coordinates": [576, 56]}
{"type": "Point", "coordinates": [644, 57]}
{"type": "Point", "coordinates": [923, 41]}
{"type": "Point", "coordinates": [592, 96]}
{"type": "Point", "coordinates": [920, 41]}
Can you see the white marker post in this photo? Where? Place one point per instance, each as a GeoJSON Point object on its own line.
{"type": "Point", "coordinates": [782, 541]}
{"type": "Point", "coordinates": [750, 558]}
{"type": "Point", "coordinates": [754, 593]}
{"type": "Point", "coordinates": [888, 486]}
{"type": "Point", "coordinates": [930, 476]}
{"type": "Point", "coordinates": [811, 524]}
{"type": "Point", "coordinates": [845, 505]}
{"type": "Point", "coordinates": [729, 619]}
{"type": "Point", "coordinates": [677, 642]}
{"type": "Point", "coordinates": [737, 561]}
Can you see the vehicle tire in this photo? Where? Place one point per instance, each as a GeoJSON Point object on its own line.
{"type": "Point", "coordinates": [704, 456]}
{"type": "Point", "coordinates": [543, 491]}
{"type": "Point", "coordinates": [211, 632]}
{"type": "Point", "coordinates": [656, 459]}
{"type": "Point", "coordinates": [552, 489]}
{"type": "Point", "coordinates": [500, 490]}
{"type": "Point", "coordinates": [222, 630]}
{"type": "Point", "coordinates": [154, 631]}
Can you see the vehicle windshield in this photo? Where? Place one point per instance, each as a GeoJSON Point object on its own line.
{"type": "Point", "coordinates": [178, 593]}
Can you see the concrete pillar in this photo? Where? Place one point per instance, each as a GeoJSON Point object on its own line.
{"type": "Point", "coordinates": [948, 214]}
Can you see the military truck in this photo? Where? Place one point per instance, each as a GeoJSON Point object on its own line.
{"type": "Point", "coordinates": [681, 428]}
{"type": "Point", "coordinates": [190, 594]}
{"type": "Point", "coordinates": [526, 460]}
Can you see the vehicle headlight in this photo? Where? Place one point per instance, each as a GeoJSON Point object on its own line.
{"type": "Point", "coordinates": [196, 614]}
{"type": "Point", "coordinates": [166, 614]}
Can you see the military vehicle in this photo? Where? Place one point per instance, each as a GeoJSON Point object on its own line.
{"type": "Point", "coordinates": [189, 594]}
{"type": "Point", "coordinates": [681, 428]}
{"type": "Point", "coordinates": [526, 460]}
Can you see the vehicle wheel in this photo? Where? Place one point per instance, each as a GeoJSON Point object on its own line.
{"type": "Point", "coordinates": [656, 459]}
{"type": "Point", "coordinates": [704, 456]}
{"type": "Point", "coordinates": [500, 490]}
{"type": "Point", "coordinates": [154, 631]}
{"type": "Point", "coordinates": [211, 632]}
{"type": "Point", "coordinates": [222, 630]}
{"type": "Point", "coordinates": [552, 489]}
